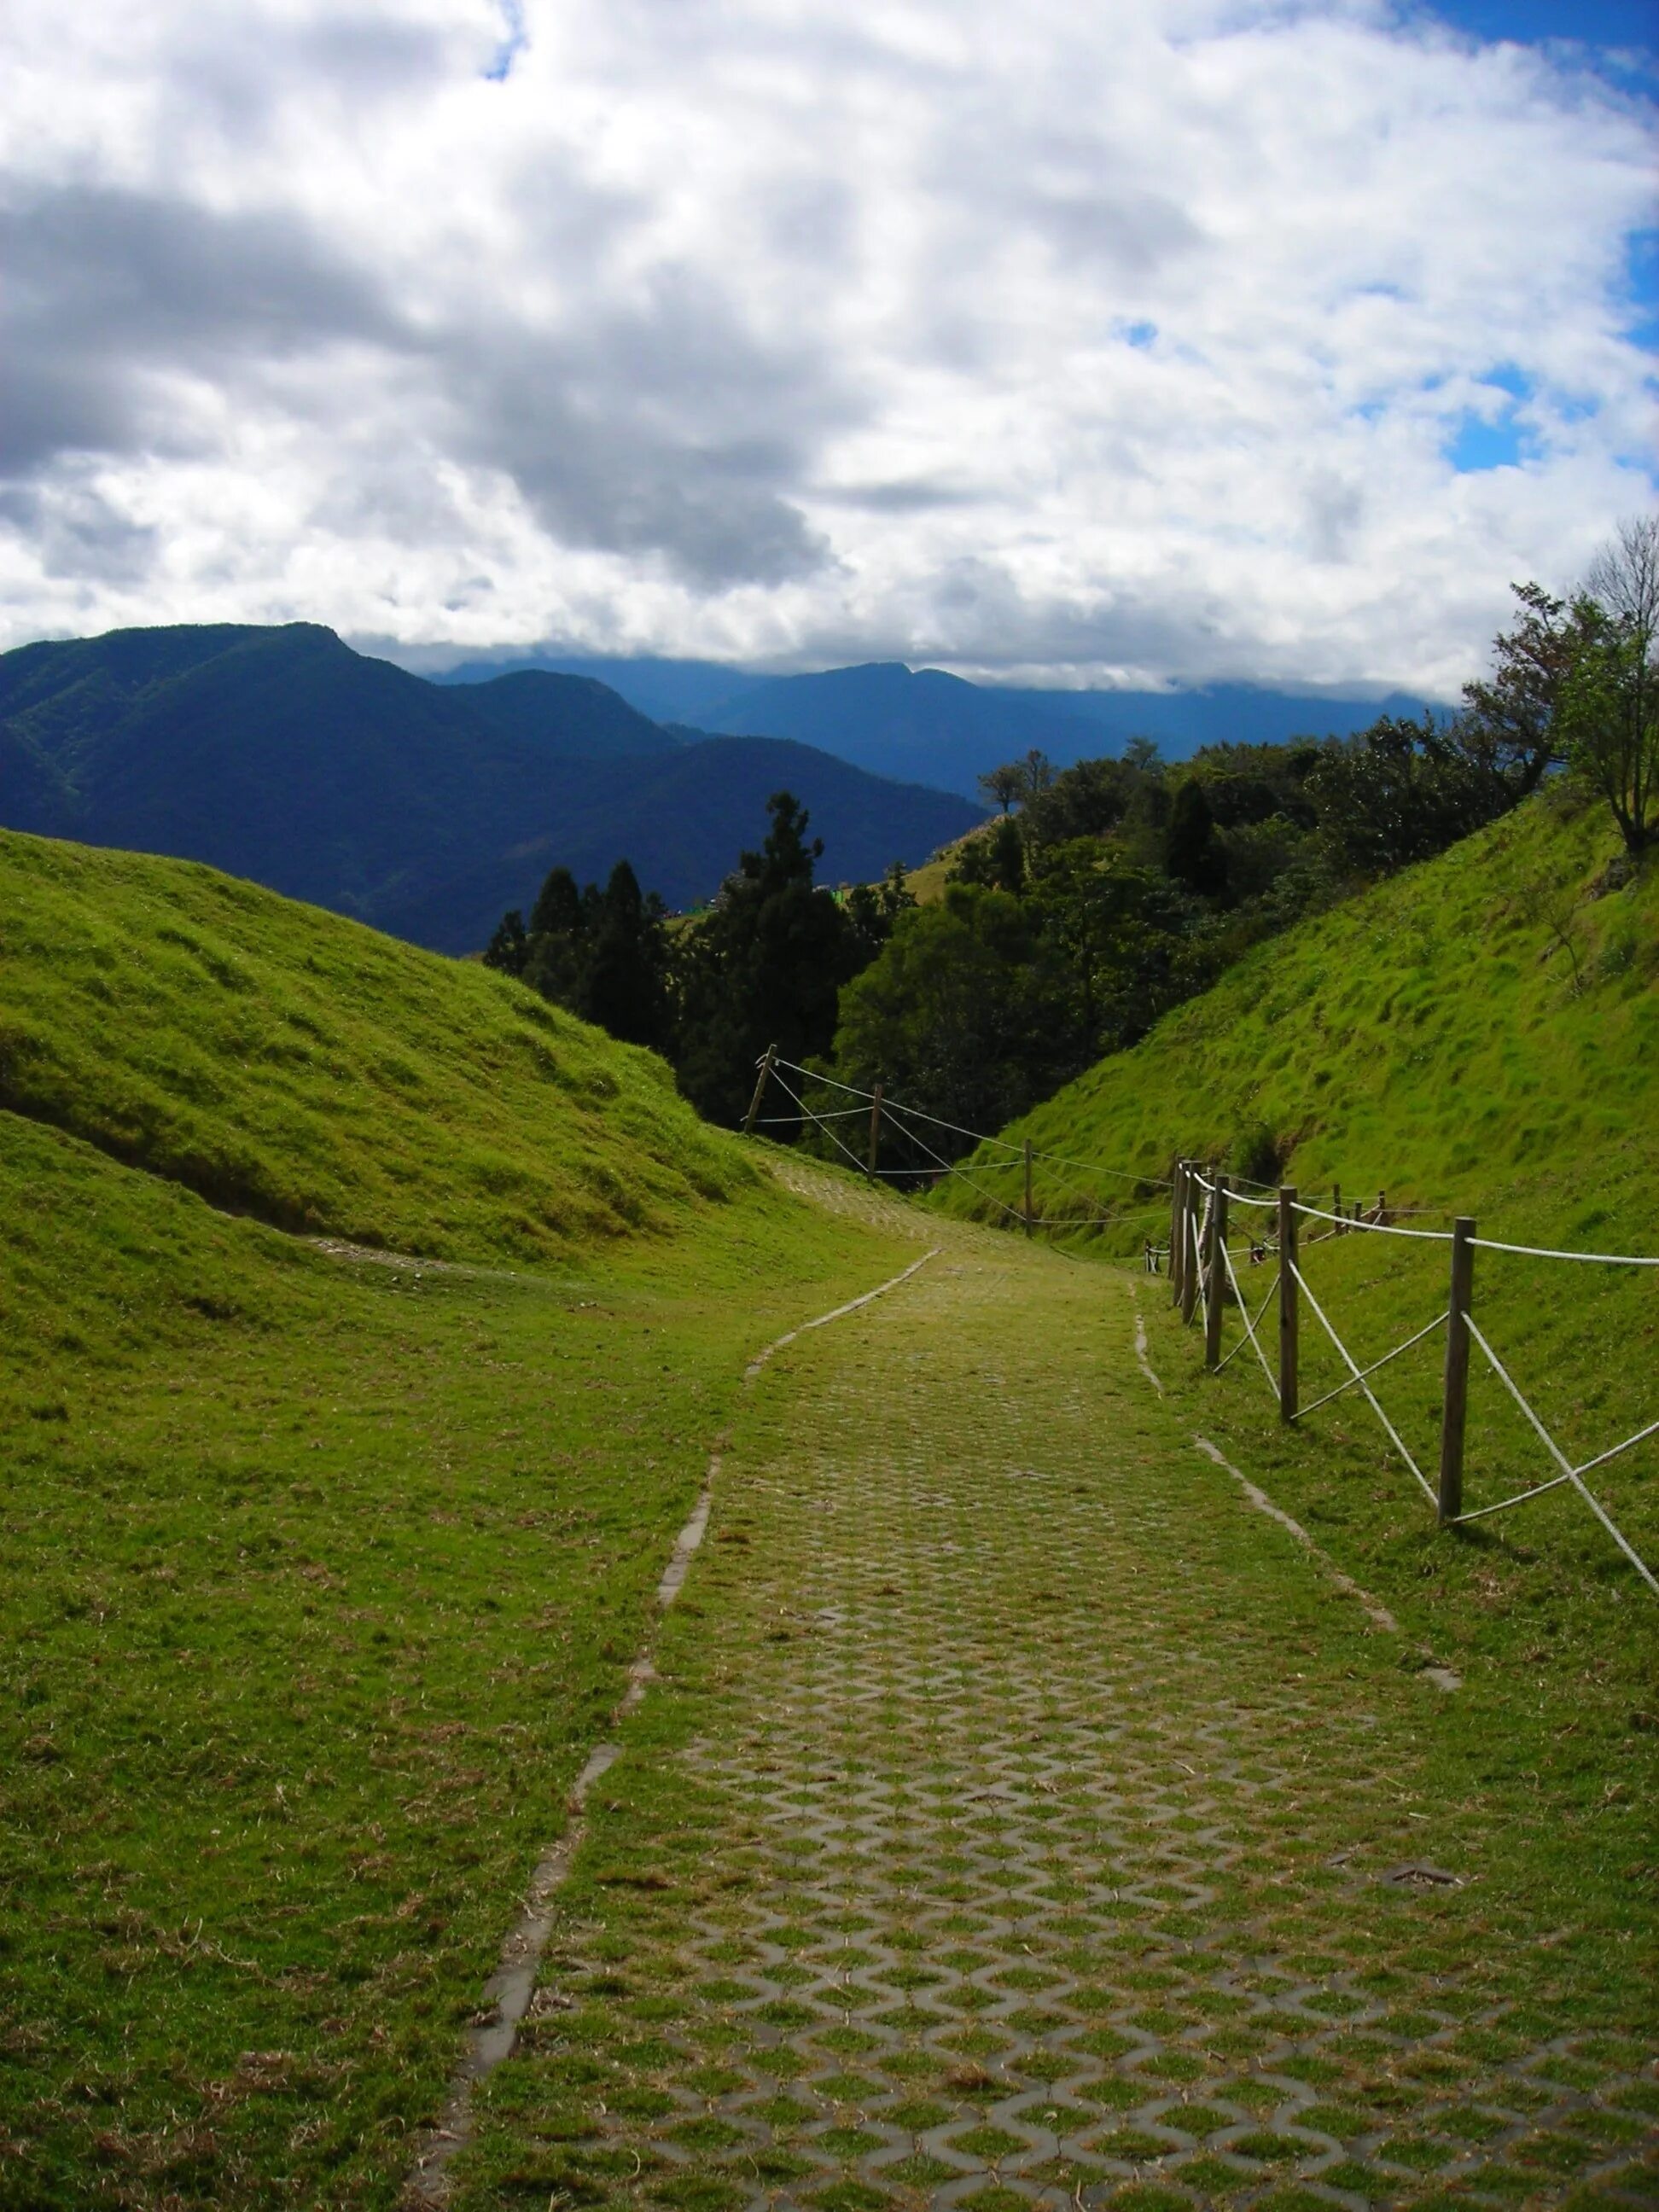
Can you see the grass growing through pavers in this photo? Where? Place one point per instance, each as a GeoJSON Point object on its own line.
{"type": "Point", "coordinates": [320, 1579]}
{"type": "Point", "coordinates": [1012, 1824]}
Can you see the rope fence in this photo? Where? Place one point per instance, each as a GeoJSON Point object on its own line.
{"type": "Point", "coordinates": [1204, 1279]}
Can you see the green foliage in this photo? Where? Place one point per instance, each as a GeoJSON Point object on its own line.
{"type": "Point", "coordinates": [1609, 709]}
{"type": "Point", "coordinates": [964, 1014]}
{"type": "Point", "coordinates": [287, 1064]}
{"type": "Point", "coordinates": [602, 954]}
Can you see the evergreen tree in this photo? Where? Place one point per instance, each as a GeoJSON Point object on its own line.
{"type": "Point", "coordinates": [765, 967]}
{"type": "Point", "coordinates": [623, 986]}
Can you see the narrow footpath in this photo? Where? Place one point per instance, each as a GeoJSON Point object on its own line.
{"type": "Point", "coordinates": [1017, 1816]}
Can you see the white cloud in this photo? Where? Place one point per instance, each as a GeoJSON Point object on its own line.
{"type": "Point", "coordinates": [1115, 342]}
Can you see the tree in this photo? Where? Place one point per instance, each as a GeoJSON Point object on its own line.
{"type": "Point", "coordinates": [1191, 853]}
{"type": "Point", "coordinates": [624, 985]}
{"type": "Point", "coordinates": [764, 967]}
{"type": "Point", "coordinates": [1004, 787]}
{"type": "Point", "coordinates": [994, 857]}
{"type": "Point", "coordinates": [1609, 707]}
{"type": "Point", "coordinates": [508, 949]}
{"type": "Point", "coordinates": [1508, 724]}
{"type": "Point", "coordinates": [965, 1014]}
{"type": "Point", "coordinates": [1401, 791]}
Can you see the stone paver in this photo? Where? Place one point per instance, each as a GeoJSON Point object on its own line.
{"type": "Point", "coordinates": [1012, 1822]}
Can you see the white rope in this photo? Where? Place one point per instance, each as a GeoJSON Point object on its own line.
{"type": "Point", "coordinates": [1259, 1310]}
{"type": "Point", "coordinates": [1571, 1474]}
{"type": "Point", "coordinates": [938, 1120]}
{"type": "Point", "coordinates": [1519, 1499]}
{"type": "Point", "coordinates": [1538, 1252]}
{"type": "Point", "coordinates": [1092, 1167]}
{"type": "Point", "coordinates": [835, 1114]}
{"type": "Point", "coordinates": [828, 1131]}
{"type": "Point", "coordinates": [1375, 1228]}
{"type": "Point", "coordinates": [1427, 1330]}
{"type": "Point", "coordinates": [951, 1168]}
{"type": "Point", "coordinates": [1370, 1395]}
{"type": "Point", "coordinates": [1244, 1311]}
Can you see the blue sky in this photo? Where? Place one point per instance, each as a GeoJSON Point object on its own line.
{"type": "Point", "coordinates": [1596, 22]}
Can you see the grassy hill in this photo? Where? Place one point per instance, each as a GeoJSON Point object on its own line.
{"type": "Point", "coordinates": [1479, 1036]}
{"type": "Point", "coordinates": [287, 1064]}
{"type": "Point", "coordinates": [323, 1567]}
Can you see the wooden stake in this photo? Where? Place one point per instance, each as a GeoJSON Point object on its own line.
{"type": "Point", "coordinates": [1455, 1404]}
{"type": "Point", "coordinates": [1177, 1179]}
{"type": "Point", "coordinates": [1030, 1211]}
{"type": "Point", "coordinates": [1290, 1306]}
{"type": "Point", "coordinates": [875, 1130]}
{"type": "Point", "coordinates": [760, 1081]}
{"type": "Point", "coordinates": [1216, 1276]}
{"type": "Point", "coordinates": [1336, 1208]}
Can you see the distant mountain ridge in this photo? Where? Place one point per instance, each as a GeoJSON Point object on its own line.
{"type": "Point", "coordinates": [281, 753]}
{"type": "Point", "coordinates": [940, 729]}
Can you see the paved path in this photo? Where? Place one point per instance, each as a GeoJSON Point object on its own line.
{"type": "Point", "coordinates": [1011, 1823]}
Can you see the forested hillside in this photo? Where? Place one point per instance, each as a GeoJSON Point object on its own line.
{"type": "Point", "coordinates": [282, 755]}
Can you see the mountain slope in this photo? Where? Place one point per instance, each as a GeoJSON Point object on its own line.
{"type": "Point", "coordinates": [681, 820]}
{"type": "Point", "coordinates": [940, 729]}
{"type": "Point", "coordinates": [282, 755]}
{"type": "Point", "coordinates": [285, 1063]}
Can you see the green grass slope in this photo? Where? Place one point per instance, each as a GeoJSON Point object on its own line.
{"type": "Point", "coordinates": [1479, 1036]}
{"type": "Point", "coordinates": [285, 1063]}
{"type": "Point", "coordinates": [324, 1569]}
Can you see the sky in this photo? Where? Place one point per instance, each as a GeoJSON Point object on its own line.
{"type": "Point", "coordinates": [1155, 341]}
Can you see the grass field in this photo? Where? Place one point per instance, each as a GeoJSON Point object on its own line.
{"type": "Point", "coordinates": [322, 1572]}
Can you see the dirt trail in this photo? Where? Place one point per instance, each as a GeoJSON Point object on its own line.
{"type": "Point", "coordinates": [1020, 1817]}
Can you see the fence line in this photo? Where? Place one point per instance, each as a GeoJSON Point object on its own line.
{"type": "Point", "coordinates": [1202, 1273]}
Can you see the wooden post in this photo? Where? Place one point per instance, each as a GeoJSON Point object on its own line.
{"type": "Point", "coordinates": [1382, 1209]}
{"type": "Point", "coordinates": [1290, 1306]}
{"type": "Point", "coordinates": [760, 1081]}
{"type": "Point", "coordinates": [1455, 1404]}
{"type": "Point", "coordinates": [1215, 1281]}
{"type": "Point", "coordinates": [1336, 1208]}
{"type": "Point", "coordinates": [1176, 1222]}
{"type": "Point", "coordinates": [1189, 1259]}
{"type": "Point", "coordinates": [1030, 1211]}
{"type": "Point", "coordinates": [875, 1130]}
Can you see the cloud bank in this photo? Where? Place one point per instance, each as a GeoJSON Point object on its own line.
{"type": "Point", "coordinates": [1176, 339]}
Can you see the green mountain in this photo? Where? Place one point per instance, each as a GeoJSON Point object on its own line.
{"type": "Point", "coordinates": [280, 755]}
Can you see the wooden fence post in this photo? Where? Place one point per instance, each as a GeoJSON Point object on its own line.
{"type": "Point", "coordinates": [1176, 1178]}
{"type": "Point", "coordinates": [1455, 1401]}
{"type": "Point", "coordinates": [760, 1081]}
{"type": "Point", "coordinates": [1215, 1281]}
{"type": "Point", "coordinates": [1030, 1209]}
{"type": "Point", "coordinates": [1190, 1260]}
{"type": "Point", "coordinates": [875, 1130]}
{"type": "Point", "coordinates": [1290, 1307]}
{"type": "Point", "coordinates": [1336, 1208]}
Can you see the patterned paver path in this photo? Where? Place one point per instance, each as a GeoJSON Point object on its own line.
{"type": "Point", "coordinates": [1012, 1821]}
